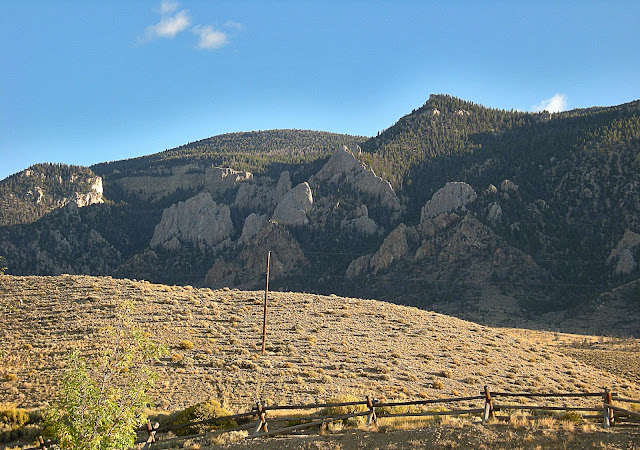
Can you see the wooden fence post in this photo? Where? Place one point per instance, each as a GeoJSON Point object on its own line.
{"type": "Point", "coordinates": [488, 406]}
{"type": "Point", "coordinates": [372, 418]}
{"type": "Point", "coordinates": [263, 421]}
{"type": "Point", "coordinates": [41, 443]}
{"type": "Point", "coordinates": [151, 431]}
{"type": "Point", "coordinates": [608, 412]}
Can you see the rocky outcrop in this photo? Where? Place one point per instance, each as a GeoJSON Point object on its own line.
{"type": "Point", "coordinates": [508, 186]}
{"type": "Point", "coordinates": [92, 197]}
{"type": "Point", "coordinates": [362, 224]}
{"type": "Point", "coordinates": [622, 255]}
{"type": "Point", "coordinates": [282, 188]}
{"type": "Point", "coordinates": [261, 195]}
{"type": "Point", "coordinates": [368, 183]}
{"type": "Point", "coordinates": [248, 265]}
{"type": "Point", "coordinates": [294, 206]}
{"type": "Point", "coordinates": [448, 198]}
{"type": "Point", "coordinates": [252, 225]}
{"type": "Point", "coordinates": [220, 179]}
{"type": "Point", "coordinates": [393, 248]}
{"type": "Point", "coordinates": [343, 167]}
{"type": "Point", "coordinates": [188, 177]}
{"type": "Point", "coordinates": [494, 212]}
{"type": "Point", "coordinates": [198, 220]}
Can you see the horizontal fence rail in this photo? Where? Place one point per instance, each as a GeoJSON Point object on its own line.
{"type": "Point", "coordinates": [256, 419]}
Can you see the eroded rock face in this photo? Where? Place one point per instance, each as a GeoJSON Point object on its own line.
{"type": "Point", "coordinates": [252, 224]}
{"type": "Point", "coordinates": [494, 212]}
{"type": "Point", "coordinates": [248, 266]}
{"type": "Point", "coordinates": [187, 177]}
{"type": "Point", "coordinates": [508, 186]}
{"type": "Point", "coordinates": [452, 196]}
{"type": "Point", "coordinates": [623, 253]}
{"type": "Point", "coordinates": [219, 179]}
{"type": "Point", "coordinates": [294, 206]}
{"type": "Point", "coordinates": [362, 223]}
{"type": "Point", "coordinates": [343, 167]}
{"type": "Point", "coordinates": [199, 220]}
{"type": "Point", "coordinates": [368, 183]}
{"type": "Point", "coordinates": [89, 198]}
{"type": "Point", "coordinates": [393, 248]}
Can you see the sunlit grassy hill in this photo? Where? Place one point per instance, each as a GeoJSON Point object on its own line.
{"type": "Point", "coordinates": [317, 346]}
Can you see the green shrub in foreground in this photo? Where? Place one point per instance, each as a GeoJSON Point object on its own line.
{"type": "Point", "coordinates": [210, 409]}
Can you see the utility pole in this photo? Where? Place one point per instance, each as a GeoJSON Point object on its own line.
{"type": "Point", "coordinates": [266, 292]}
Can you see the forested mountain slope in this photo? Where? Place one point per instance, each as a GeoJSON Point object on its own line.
{"type": "Point", "coordinates": [496, 216]}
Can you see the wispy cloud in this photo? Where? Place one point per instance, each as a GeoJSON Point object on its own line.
{"type": "Point", "coordinates": [170, 24]}
{"type": "Point", "coordinates": [234, 25]}
{"type": "Point", "coordinates": [173, 22]}
{"type": "Point", "coordinates": [167, 7]}
{"type": "Point", "coordinates": [553, 104]}
{"type": "Point", "coordinates": [209, 37]}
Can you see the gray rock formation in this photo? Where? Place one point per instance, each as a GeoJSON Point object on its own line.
{"type": "Point", "coordinates": [343, 167]}
{"type": "Point", "coordinates": [89, 198]}
{"type": "Point", "coordinates": [294, 206]}
{"type": "Point", "coordinates": [368, 183]}
{"type": "Point", "coordinates": [448, 198]}
{"type": "Point", "coordinates": [247, 268]}
{"type": "Point", "coordinates": [494, 212]}
{"type": "Point", "coordinates": [508, 185]}
{"type": "Point", "coordinates": [199, 220]}
{"type": "Point", "coordinates": [245, 198]}
{"type": "Point", "coordinates": [393, 248]}
{"type": "Point", "coordinates": [283, 186]}
{"type": "Point", "coordinates": [220, 179]}
{"type": "Point", "coordinates": [362, 224]}
{"type": "Point", "coordinates": [623, 253]}
{"type": "Point", "coordinates": [252, 225]}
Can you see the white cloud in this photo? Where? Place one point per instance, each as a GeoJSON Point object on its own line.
{"type": "Point", "coordinates": [232, 24]}
{"type": "Point", "coordinates": [554, 104]}
{"type": "Point", "coordinates": [209, 38]}
{"type": "Point", "coordinates": [173, 22]}
{"type": "Point", "coordinates": [168, 27]}
{"type": "Point", "coordinates": [167, 7]}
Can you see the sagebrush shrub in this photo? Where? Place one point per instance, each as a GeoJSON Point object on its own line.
{"type": "Point", "coordinates": [211, 409]}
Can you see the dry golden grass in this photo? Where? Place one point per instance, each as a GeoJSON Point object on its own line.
{"type": "Point", "coordinates": [618, 356]}
{"type": "Point", "coordinates": [317, 346]}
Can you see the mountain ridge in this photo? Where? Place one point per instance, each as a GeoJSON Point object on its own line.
{"type": "Point", "coordinates": [549, 223]}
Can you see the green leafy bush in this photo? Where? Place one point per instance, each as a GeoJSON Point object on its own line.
{"type": "Point", "coordinates": [99, 405]}
{"type": "Point", "coordinates": [211, 409]}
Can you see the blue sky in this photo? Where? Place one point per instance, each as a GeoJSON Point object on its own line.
{"type": "Point", "coordinates": [87, 81]}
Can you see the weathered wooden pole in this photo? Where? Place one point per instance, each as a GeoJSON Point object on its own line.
{"type": "Point", "coordinates": [266, 292]}
{"type": "Point", "coordinates": [608, 412]}
{"type": "Point", "coordinates": [488, 406]}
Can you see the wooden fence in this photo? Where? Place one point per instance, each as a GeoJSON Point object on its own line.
{"type": "Point", "coordinates": [489, 407]}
